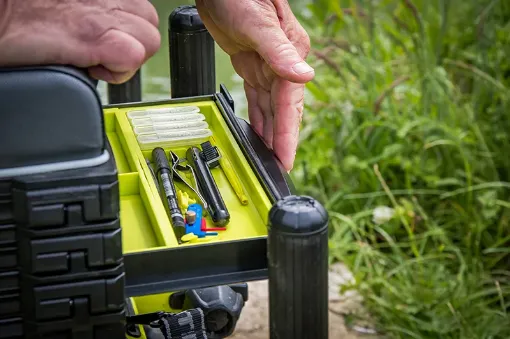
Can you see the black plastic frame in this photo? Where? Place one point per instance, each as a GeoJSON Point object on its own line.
{"type": "Point", "coordinates": [267, 167]}
{"type": "Point", "coordinates": [205, 265]}
{"type": "Point", "coordinates": [175, 269]}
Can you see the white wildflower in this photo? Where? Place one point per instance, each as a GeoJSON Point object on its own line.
{"type": "Point", "coordinates": [382, 214]}
{"type": "Point", "coordinates": [347, 108]}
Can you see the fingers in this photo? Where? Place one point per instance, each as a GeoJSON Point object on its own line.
{"type": "Point", "coordinates": [287, 105]}
{"type": "Point", "coordinates": [147, 34]}
{"type": "Point", "coordinates": [111, 38]}
{"type": "Point", "coordinates": [254, 113]}
{"type": "Point", "coordinates": [260, 111]}
{"type": "Point", "coordinates": [264, 102]}
{"type": "Point", "coordinates": [142, 8]}
{"type": "Point", "coordinates": [292, 28]}
{"type": "Point", "coordinates": [264, 33]}
{"type": "Point", "coordinates": [268, 27]}
{"type": "Point", "coordinates": [299, 38]}
{"type": "Point", "coordinates": [281, 55]}
{"type": "Point", "coordinates": [268, 47]}
{"type": "Point", "coordinates": [118, 53]}
{"type": "Point", "coordinates": [123, 48]}
{"type": "Point", "coordinates": [246, 66]}
{"type": "Point", "coordinates": [102, 73]}
{"type": "Point", "coordinates": [253, 69]}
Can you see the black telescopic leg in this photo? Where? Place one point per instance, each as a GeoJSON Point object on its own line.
{"type": "Point", "coordinates": [192, 60]}
{"type": "Point", "coordinates": [130, 91]}
{"type": "Point", "coordinates": [298, 269]}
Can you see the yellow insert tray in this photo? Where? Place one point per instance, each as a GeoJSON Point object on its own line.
{"type": "Point", "coordinates": [144, 219]}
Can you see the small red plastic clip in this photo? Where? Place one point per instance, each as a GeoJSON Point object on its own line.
{"type": "Point", "coordinates": [204, 228]}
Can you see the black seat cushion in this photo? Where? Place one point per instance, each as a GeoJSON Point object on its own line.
{"type": "Point", "coordinates": [48, 115]}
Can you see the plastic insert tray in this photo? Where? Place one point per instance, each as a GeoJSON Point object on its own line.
{"type": "Point", "coordinates": [155, 261]}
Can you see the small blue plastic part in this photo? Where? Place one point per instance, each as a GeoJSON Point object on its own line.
{"type": "Point", "coordinates": [196, 227]}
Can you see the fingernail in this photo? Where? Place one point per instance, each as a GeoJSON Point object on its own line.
{"type": "Point", "coordinates": [302, 68]}
{"type": "Point", "coordinates": [291, 167]}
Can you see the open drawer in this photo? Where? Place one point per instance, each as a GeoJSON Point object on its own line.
{"type": "Point", "coordinates": [83, 227]}
{"type": "Point", "coordinates": [155, 260]}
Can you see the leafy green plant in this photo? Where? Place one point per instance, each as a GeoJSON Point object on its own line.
{"type": "Point", "coordinates": [410, 110]}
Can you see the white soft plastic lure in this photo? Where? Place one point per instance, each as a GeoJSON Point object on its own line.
{"type": "Point", "coordinates": [173, 138]}
{"type": "Point", "coordinates": [163, 110]}
{"type": "Point", "coordinates": [178, 125]}
{"type": "Point", "coordinates": [166, 119]}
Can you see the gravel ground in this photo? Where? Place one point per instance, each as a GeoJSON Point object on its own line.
{"type": "Point", "coordinates": [253, 323]}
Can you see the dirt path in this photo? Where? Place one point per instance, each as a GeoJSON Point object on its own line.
{"type": "Point", "coordinates": [254, 319]}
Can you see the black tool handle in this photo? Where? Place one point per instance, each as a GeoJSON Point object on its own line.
{"type": "Point", "coordinates": [298, 269]}
{"type": "Point", "coordinates": [164, 171]}
{"type": "Point", "coordinates": [207, 186]}
{"type": "Point", "coordinates": [161, 161]}
{"type": "Point", "coordinates": [192, 60]}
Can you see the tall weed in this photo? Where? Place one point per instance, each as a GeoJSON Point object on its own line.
{"type": "Point", "coordinates": [410, 110]}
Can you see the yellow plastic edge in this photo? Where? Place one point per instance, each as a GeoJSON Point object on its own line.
{"type": "Point", "coordinates": [138, 188]}
{"type": "Point", "coordinates": [120, 129]}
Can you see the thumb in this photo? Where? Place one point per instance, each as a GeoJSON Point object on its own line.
{"type": "Point", "coordinates": [280, 54]}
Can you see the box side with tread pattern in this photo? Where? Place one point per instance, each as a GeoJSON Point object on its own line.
{"type": "Point", "coordinates": [62, 270]}
{"type": "Point", "coordinates": [61, 259]}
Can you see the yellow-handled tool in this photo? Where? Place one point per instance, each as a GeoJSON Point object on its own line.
{"type": "Point", "coordinates": [232, 178]}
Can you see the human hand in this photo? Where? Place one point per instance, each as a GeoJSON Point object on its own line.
{"type": "Point", "coordinates": [111, 38]}
{"type": "Point", "coordinates": [267, 46]}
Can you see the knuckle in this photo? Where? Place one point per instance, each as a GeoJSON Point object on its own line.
{"type": "Point", "coordinates": [134, 58]}
{"type": "Point", "coordinates": [144, 9]}
{"type": "Point", "coordinates": [153, 43]}
{"type": "Point", "coordinates": [305, 49]}
{"type": "Point", "coordinates": [303, 42]}
{"type": "Point", "coordinates": [123, 49]}
{"type": "Point", "coordinates": [299, 38]}
{"type": "Point", "coordinates": [88, 57]}
{"type": "Point", "coordinates": [153, 15]}
{"type": "Point", "coordinates": [92, 28]}
{"type": "Point", "coordinates": [284, 51]}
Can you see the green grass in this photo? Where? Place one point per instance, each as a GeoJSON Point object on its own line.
{"type": "Point", "coordinates": [410, 109]}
